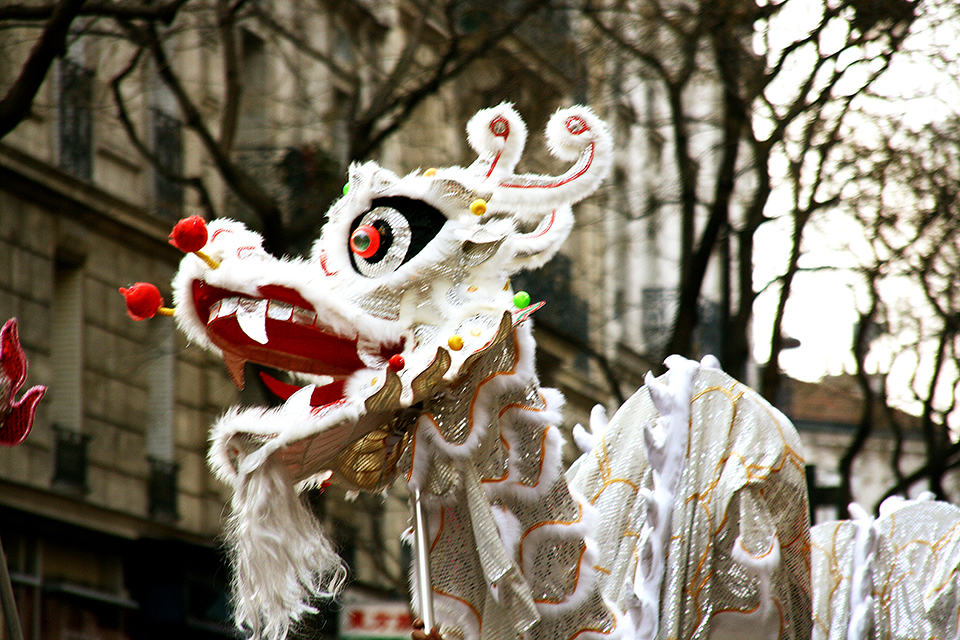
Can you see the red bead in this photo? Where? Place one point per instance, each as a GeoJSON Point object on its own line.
{"type": "Point", "coordinates": [397, 362]}
{"type": "Point", "coordinates": [143, 300]}
{"type": "Point", "coordinates": [190, 234]}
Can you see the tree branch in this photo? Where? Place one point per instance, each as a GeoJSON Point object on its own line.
{"type": "Point", "coordinates": [452, 64]}
{"type": "Point", "coordinates": [267, 209]}
{"type": "Point", "coordinates": [15, 105]}
{"type": "Point", "coordinates": [164, 13]}
{"type": "Point", "coordinates": [195, 183]}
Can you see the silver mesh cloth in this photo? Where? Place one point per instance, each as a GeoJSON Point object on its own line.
{"type": "Point", "coordinates": [743, 477]}
{"type": "Point", "coordinates": [915, 575]}
{"type": "Point", "coordinates": [483, 590]}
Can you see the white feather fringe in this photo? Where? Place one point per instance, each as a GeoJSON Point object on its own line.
{"type": "Point", "coordinates": [280, 556]}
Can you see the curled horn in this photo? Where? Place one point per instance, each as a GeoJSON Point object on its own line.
{"type": "Point", "coordinates": [497, 135]}
{"type": "Point", "coordinates": [572, 134]}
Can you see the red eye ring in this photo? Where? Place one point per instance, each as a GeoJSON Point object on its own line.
{"type": "Point", "coordinates": [365, 241]}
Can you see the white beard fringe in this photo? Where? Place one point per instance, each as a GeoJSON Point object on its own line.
{"type": "Point", "coordinates": [281, 558]}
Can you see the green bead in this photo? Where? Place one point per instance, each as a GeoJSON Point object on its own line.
{"type": "Point", "coordinates": [346, 188]}
{"type": "Point", "coordinates": [521, 300]}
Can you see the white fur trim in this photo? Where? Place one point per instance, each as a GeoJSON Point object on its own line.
{"type": "Point", "coordinates": [280, 555]}
{"type": "Point", "coordinates": [592, 147]}
{"type": "Point", "coordinates": [499, 154]}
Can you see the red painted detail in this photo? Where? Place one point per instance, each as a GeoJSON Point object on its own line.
{"type": "Point", "coordinates": [559, 183]}
{"type": "Point", "coordinates": [543, 232]}
{"type": "Point", "coordinates": [323, 264]}
{"type": "Point", "coordinates": [218, 232]}
{"type": "Point", "coordinates": [322, 396]}
{"type": "Point", "coordinates": [577, 125]}
{"type": "Point", "coordinates": [284, 294]}
{"type": "Point", "coordinates": [502, 134]}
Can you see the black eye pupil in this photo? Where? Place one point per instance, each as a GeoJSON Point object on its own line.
{"type": "Point", "coordinates": [386, 239]}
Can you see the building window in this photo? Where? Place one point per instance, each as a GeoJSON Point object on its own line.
{"type": "Point", "coordinates": [66, 390]}
{"type": "Point", "coordinates": [162, 490]}
{"type": "Point", "coordinates": [70, 461]}
{"type": "Point", "coordinates": [161, 406]}
{"type": "Point", "coordinates": [167, 141]}
{"type": "Point", "coordinates": [76, 119]}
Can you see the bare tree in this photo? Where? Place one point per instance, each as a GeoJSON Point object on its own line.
{"type": "Point", "coordinates": [905, 192]}
{"type": "Point", "coordinates": [54, 20]}
{"type": "Point", "coordinates": [383, 67]}
{"type": "Point", "coordinates": [784, 90]}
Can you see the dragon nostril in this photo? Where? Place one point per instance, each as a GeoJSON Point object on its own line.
{"type": "Point", "coordinates": [365, 241]}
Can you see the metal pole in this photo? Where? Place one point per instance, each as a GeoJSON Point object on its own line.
{"type": "Point", "coordinates": [9, 604]}
{"type": "Point", "coordinates": [423, 562]}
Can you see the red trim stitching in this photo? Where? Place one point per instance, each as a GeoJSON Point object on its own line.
{"type": "Point", "coordinates": [582, 171]}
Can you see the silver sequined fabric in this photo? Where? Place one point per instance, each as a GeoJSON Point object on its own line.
{"type": "Point", "coordinates": [743, 476]}
{"type": "Point", "coordinates": [491, 466]}
{"type": "Point", "coordinates": [914, 575]}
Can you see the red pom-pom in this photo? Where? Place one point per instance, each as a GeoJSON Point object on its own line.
{"type": "Point", "coordinates": [190, 234]}
{"type": "Point", "coordinates": [143, 300]}
{"type": "Point", "coordinates": [396, 362]}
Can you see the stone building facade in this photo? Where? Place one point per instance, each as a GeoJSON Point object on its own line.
{"type": "Point", "coordinates": [109, 517]}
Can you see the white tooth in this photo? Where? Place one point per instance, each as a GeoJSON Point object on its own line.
{"type": "Point", "coordinates": [300, 401]}
{"type": "Point", "coordinates": [214, 310]}
{"type": "Point", "coordinates": [302, 316]}
{"type": "Point", "coordinates": [252, 318]}
{"type": "Point", "coordinates": [228, 306]}
{"type": "Point", "coordinates": [279, 310]}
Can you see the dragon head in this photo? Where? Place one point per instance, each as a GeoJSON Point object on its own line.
{"type": "Point", "coordinates": [406, 287]}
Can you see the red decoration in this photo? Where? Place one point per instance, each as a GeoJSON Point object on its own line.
{"type": "Point", "coordinates": [143, 300]}
{"type": "Point", "coordinates": [190, 234]}
{"type": "Point", "coordinates": [16, 416]}
{"type": "Point", "coordinates": [365, 241]}
{"type": "Point", "coordinates": [396, 362]}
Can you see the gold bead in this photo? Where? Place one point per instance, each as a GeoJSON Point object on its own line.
{"type": "Point", "coordinates": [478, 207]}
{"type": "Point", "coordinates": [455, 342]}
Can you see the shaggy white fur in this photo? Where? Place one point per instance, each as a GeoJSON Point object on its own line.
{"type": "Point", "coordinates": [281, 558]}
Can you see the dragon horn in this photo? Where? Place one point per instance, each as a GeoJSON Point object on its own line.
{"type": "Point", "coordinates": [572, 134]}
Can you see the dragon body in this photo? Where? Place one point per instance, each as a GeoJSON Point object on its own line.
{"type": "Point", "coordinates": [412, 358]}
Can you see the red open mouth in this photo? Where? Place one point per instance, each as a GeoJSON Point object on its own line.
{"type": "Point", "coordinates": [280, 329]}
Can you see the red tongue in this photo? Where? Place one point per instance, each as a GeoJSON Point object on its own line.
{"type": "Point", "coordinates": [322, 396]}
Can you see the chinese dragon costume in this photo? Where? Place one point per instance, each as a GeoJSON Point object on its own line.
{"type": "Point", "coordinates": [686, 516]}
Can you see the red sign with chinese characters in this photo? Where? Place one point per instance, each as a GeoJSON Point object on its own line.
{"type": "Point", "coordinates": [376, 620]}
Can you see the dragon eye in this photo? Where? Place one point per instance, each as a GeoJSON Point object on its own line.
{"type": "Point", "coordinates": [365, 241]}
{"type": "Point", "coordinates": [379, 241]}
{"type": "Point", "coordinates": [393, 231]}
